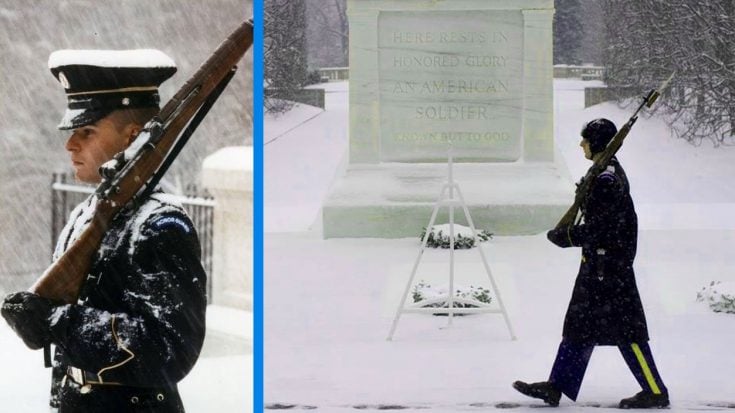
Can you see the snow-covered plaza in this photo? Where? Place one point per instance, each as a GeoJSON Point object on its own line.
{"type": "Point", "coordinates": [329, 303]}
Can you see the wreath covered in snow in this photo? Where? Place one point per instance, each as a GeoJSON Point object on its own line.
{"type": "Point", "coordinates": [463, 239]}
{"type": "Point", "coordinates": [423, 291]}
{"type": "Point", "coordinates": [719, 296]}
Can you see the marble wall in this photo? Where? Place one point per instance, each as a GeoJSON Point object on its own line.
{"type": "Point", "coordinates": [476, 73]}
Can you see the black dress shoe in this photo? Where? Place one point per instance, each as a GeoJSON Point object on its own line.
{"type": "Point", "coordinates": [542, 390]}
{"type": "Point", "coordinates": [645, 400]}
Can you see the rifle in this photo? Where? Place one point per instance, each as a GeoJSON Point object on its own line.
{"type": "Point", "coordinates": [606, 155]}
{"type": "Point", "coordinates": [132, 174]}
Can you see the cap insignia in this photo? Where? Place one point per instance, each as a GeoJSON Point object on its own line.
{"type": "Point", "coordinates": [64, 81]}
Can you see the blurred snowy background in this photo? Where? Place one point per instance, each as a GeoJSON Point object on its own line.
{"type": "Point", "coordinates": [32, 102]}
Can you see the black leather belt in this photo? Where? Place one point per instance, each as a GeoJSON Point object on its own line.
{"type": "Point", "coordinates": [86, 379]}
{"type": "Point", "coordinates": [151, 397]}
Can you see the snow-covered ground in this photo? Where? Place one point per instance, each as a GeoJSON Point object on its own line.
{"type": "Point", "coordinates": [221, 381]}
{"type": "Point", "coordinates": [313, 144]}
{"type": "Point", "coordinates": [329, 303]}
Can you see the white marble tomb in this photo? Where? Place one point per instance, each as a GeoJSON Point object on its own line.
{"type": "Point", "coordinates": [423, 73]}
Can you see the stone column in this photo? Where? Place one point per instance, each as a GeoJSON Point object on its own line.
{"type": "Point", "coordinates": [228, 175]}
{"type": "Point", "coordinates": [364, 107]}
{"type": "Point", "coordinates": [538, 85]}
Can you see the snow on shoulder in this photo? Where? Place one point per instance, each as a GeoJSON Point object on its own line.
{"type": "Point", "coordinates": [110, 58]}
{"type": "Point", "coordinates": [158, 203]}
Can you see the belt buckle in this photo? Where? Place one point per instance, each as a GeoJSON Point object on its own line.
{"type": "Point", "coordinates": [77, 375]}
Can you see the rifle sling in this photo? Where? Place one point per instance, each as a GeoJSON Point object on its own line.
{"type": "Point", "coordinates": [47, 356]}
{"type": "Point", "coordinates": [185, 135]}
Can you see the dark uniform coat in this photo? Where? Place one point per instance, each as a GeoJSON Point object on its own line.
{"type": "Point", "coordinates": [605, 308]}
{"type": "Point", "coordinates": [138, 326]}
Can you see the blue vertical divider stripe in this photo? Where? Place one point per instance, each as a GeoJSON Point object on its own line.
{"type": "Point", "coordinates": [258, 207]}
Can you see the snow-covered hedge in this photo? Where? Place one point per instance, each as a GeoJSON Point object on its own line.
{"type": "Point", "coordinates": [463, 239]}
{"type": "Point", "coordinates": [424, 291]}
{"type": "Point", "coordinates": [719, 296]}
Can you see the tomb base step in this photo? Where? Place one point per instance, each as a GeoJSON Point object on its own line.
{"type": "Point", "coordinates": [395, 200]}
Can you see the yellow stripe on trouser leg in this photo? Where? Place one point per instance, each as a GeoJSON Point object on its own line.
{"type": "Point", "coordinates": [646, 371]}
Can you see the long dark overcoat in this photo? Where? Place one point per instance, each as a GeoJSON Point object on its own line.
{"type": "Point", "coordinates": [140, 319]}
{"type": "Point", "coordinates": [605, 308]}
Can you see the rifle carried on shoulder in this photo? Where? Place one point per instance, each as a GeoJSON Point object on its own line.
{"type": "Point", "coordinates": [606, 155]}
{"type": "Point", "coordinates": [131, 175]}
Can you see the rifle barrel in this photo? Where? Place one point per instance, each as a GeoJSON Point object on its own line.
{"type": "Point", "coordinates": [607, 154]}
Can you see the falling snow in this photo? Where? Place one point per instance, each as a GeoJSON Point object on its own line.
{"type": "Point", "coordinates": [31, 149]}
{"type": "Point", "coordinates": [325, 338]}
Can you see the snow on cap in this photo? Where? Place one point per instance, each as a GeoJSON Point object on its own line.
{"type": "Point", "coordinates": [110, 58]}
{"type": "Point", "coordinates": [98, 82]}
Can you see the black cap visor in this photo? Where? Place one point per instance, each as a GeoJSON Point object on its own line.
{"type": "Point", "coordinates": [83, 110]}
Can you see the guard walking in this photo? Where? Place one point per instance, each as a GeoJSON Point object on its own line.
{"type": "Point", "coordinates": [605, 308]}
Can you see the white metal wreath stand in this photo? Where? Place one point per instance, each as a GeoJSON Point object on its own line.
{"type": "Point", "coordinates": [452, 189]}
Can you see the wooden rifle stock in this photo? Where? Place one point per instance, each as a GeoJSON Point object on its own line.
{"type": "Point", "coordinates": [599, 165]}
{"type": "Point", "coordinates": [63, 279]}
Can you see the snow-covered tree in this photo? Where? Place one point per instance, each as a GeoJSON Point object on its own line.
{"type": "Point", "coordinates": [568, 32]}
{"type": "Point", "coordinates": [648, 39]}
{"type": "Point", "coordinates": [284, 51]}
{"type": "Point", "coordinates": [592, 21]}
{"type": "Point", "coordinates": [327, 33]}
